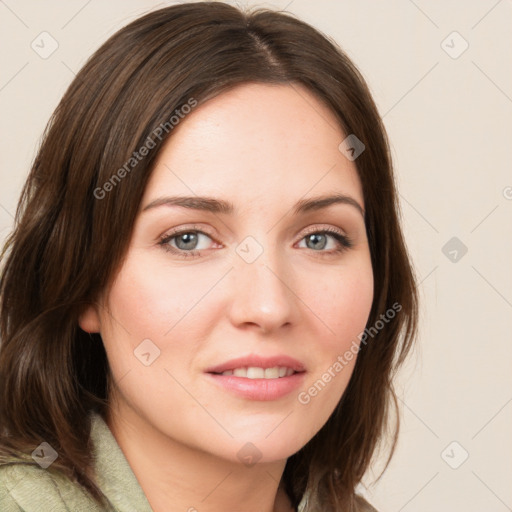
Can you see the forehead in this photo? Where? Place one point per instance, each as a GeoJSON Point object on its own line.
{"type": "Point", "coordinates": [256, 142]}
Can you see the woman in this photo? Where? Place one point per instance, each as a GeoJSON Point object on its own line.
{"type": "Point", "coordinates": [207, 291]}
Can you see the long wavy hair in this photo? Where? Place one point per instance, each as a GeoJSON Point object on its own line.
{"type": "Point", "coordinates": [69, 238]}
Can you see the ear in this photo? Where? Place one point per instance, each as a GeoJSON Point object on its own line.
{"type": "Point", "coordinates": [89, 319]}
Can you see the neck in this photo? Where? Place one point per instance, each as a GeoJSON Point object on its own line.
{"type": "Point", "coordinates": [178, 477]}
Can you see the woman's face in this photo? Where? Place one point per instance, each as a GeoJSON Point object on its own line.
{"type": "Point", "coordinates": [206, 288]}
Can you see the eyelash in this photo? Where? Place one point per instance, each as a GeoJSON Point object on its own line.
{"type": "Point", "coordinates": [343, 240]}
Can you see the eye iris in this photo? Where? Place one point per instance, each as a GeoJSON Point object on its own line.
{"type": "Point", "coordinates": [190, 240]}
{"type": "Point", "coordinates": [315, 238]}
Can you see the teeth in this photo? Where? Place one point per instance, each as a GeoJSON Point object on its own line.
{"type": "Point", "coordinates": [272, 373]}
{"type": "Point", "coordinates": [254, 372]}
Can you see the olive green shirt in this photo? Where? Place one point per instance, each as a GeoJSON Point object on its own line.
{"type": "Point", "coordinates": [25, 486]}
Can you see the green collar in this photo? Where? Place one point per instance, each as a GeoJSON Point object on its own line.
{"type": "Point", "coordinates": [114, 475]}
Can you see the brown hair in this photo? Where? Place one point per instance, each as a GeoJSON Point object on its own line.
{"type": "Point", "coordinates": [67, 244]}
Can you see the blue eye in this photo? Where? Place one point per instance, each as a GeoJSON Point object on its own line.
{"type": "Point", "coordinates": [320, 239]}
{"type": "Point", "coordinates": [187, 243]}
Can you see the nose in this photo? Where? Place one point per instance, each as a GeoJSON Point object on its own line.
{"type": "Point", "coordinates": [263, 295]}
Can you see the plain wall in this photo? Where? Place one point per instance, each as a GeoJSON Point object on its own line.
{"type": "Point", "coordinates": [448, 113]}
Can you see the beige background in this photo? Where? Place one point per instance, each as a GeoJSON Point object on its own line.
{"type": "Point", "coordinates": [450, 124]}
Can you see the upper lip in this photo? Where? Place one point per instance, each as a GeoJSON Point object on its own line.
{"type": "Point", "coordinates": [259, 362]}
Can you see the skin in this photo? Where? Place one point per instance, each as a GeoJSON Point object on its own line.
{"type": "Point", "coordinates": [262, 147]}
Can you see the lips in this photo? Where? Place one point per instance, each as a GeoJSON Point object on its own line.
{"type": "Point", "coordinates": [254, 372]}
{"type": "Point", "coordinates": [259, 378]}
{"type": "Point", "coordinates": [258, 362]}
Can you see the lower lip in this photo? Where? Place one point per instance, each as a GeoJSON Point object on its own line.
{"type": "Point", "coordinates": [259, 389]}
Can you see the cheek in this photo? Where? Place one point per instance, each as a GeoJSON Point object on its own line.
{"type": "Point", "coordinates": [155, 303]}
{"type": "Point", "coordinates": [151, 302]}
{"type": "Point", "coordinates": [343, 305]}
{"type": "Point", "coordinates": [163, 304]}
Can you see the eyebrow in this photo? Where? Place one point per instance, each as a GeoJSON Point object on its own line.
{"type": "Point", "coordinates": [214, 205]}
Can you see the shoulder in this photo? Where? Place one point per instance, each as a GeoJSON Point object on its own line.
{"type": "Point", "coordinates": [359, 505]}
{"type": "Point", "coordinates": [363, 506]}
{"type": "Point", "coordinates": [27, 487]}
